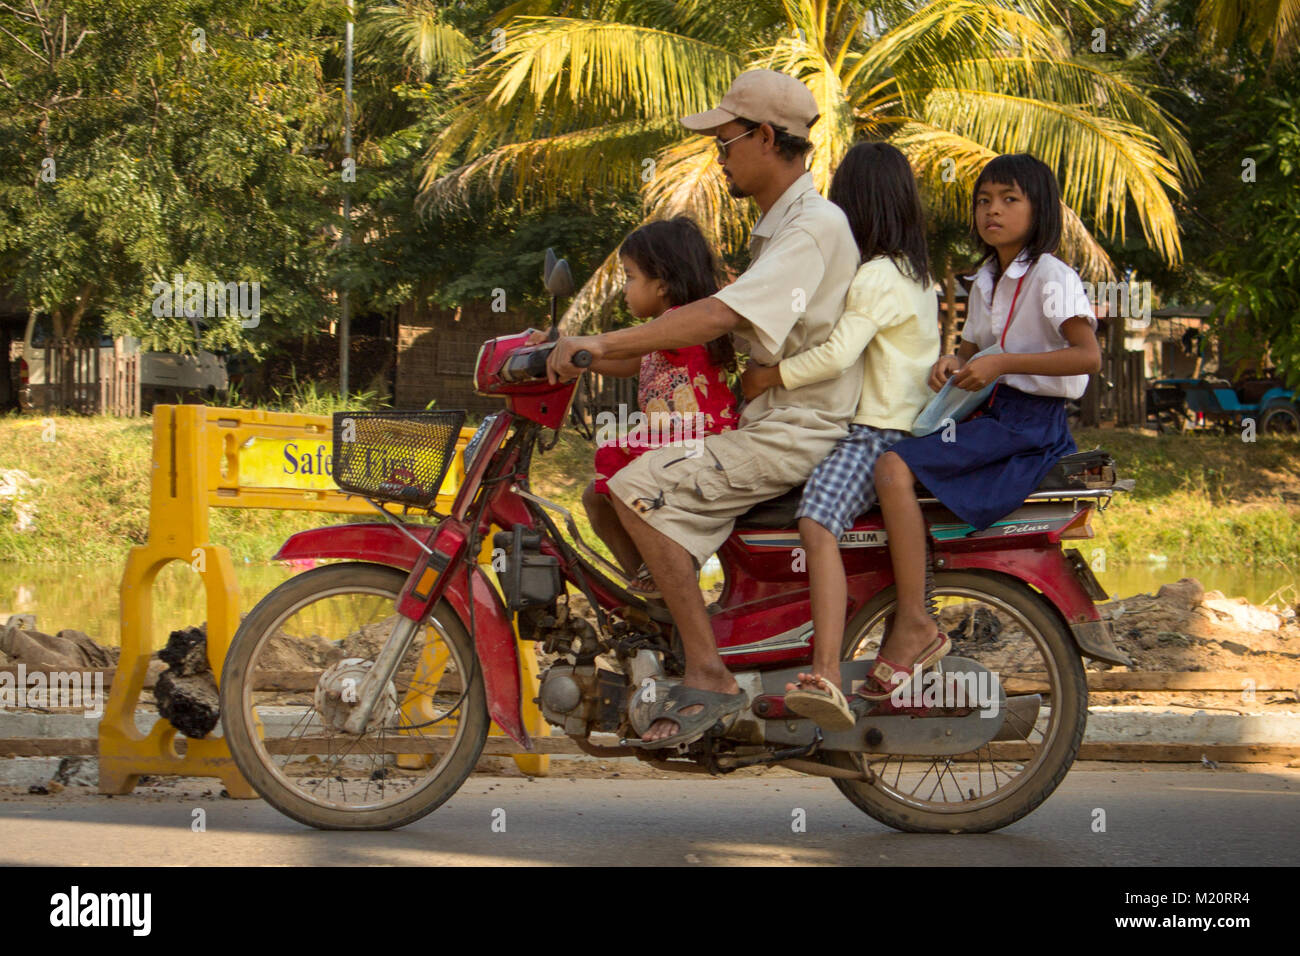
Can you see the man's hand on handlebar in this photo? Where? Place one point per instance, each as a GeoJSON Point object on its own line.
{"type": "Point", "coordinates": [560, 366]}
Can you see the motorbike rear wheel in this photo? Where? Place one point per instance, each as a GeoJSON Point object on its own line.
{"type": "Point", "coordinates": [312, 635]}
{"type": "Point", "coordinates": [1017, 634]}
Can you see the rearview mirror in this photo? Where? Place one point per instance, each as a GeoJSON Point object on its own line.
{"type": "Point", "coordinates": [559, 282]}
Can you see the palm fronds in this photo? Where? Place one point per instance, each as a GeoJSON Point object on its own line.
{"type": "Point", "coordinates": [416, 34]}
{"type": "Point", "coordinates": [572, 105]}
{"type": "Point", "coordinates": [1261, 23]}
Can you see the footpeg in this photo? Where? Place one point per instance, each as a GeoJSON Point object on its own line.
{"type": "Point", "coordinates": [728, 763]}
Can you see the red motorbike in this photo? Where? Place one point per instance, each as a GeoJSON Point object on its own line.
{"type": "Point", "coordinates": [405, 652]}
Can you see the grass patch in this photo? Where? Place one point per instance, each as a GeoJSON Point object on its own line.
{"type": "Point", "coordinates": [562, 474]}
{"type": "Point", "coordinates": [1201, 499]}
{"type": "Point", "coordinates": [93, 501]}
{"type": "Point", "coordinates": [1222, 469]}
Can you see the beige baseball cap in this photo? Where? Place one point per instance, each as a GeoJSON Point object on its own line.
{"type": "Point", "coordinates": [764, 96]}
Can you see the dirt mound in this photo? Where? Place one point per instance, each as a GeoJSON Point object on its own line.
{"type": "Point", "coordinates": [1182, 627]}
{"type": "Point", "coordinates": [286, 652]}
{"type": "Point", "coordinates": [71, 649]}
{"type": "Point", "coordinates": [1179, 628]}
{"type": "Point", "coordinates": [366, 642]}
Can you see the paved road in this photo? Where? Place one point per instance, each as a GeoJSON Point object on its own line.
{"type": "Point", "coordinates": [1181, 818]}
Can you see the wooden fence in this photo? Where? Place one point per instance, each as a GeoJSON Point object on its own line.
{"type": "Point", "coordinates": [609, 393]}
{"type": "Point", "coordinates": [1131, 391]}
{"type": "Point", "coordinates": [89, 380]}
{"type": "Point", "coordinates": [1118, 392]}
{"type": "Point", "coordinates": [119, 384]}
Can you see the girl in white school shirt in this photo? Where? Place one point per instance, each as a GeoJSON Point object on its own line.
{"type": "Point", "coordinates": [1035, 307]}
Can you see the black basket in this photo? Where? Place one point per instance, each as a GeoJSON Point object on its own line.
{"type": "Point", "coordinates": [395, 456]}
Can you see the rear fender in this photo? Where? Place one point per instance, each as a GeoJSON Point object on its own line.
{"type": "Point", "coordinates": [489, 624]}
{"type": "Point", "coordinates": [1048, 571]}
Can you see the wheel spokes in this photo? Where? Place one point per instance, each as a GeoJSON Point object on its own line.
{"type": "Point", "coordinates": [999, 638]}
{"type": "Point", "coordinates": [307, 749]}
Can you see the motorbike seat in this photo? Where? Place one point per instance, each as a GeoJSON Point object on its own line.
{"type": "Point", "coordinates": [1073, 472]}
{"type": "Point", "coordinates": [773, 513]}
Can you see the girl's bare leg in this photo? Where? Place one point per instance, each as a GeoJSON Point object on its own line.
{"type": "Point", "coordinates": [604, 521]}
{"type": "Point", "coordinates": [913, 628]}
{"type": "Point", "coordinates": [828, 591]}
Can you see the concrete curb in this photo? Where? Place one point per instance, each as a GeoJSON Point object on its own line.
{"type": "Point", "coordinates": [1188, 726]}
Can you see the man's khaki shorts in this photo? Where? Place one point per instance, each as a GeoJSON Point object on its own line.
{"type": "Point", "coordinates": [694, 494]}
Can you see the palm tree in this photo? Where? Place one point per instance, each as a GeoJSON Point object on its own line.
{"type": "Point", "coordinates": [1271, 23]}
{"type": "Point", "coordinates": [414, 32]}
{"type": "Point", "coordinates": [575, 104]}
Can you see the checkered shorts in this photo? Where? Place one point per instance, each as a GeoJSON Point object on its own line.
{"type": "Point", "coordinates": [843, 486]}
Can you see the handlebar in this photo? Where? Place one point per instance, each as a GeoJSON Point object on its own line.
{"type": "Point", "coordinates": [533, 364]}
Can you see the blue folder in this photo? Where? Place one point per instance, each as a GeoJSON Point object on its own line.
{"type": "Point", "coordinates": [953, 402]}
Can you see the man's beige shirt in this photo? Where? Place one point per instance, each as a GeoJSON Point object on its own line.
{"type": "Point", "coordinates": [803, 259]}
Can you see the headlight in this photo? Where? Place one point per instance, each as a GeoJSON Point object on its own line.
{"type": "Point", "coordinates": [476, 441]}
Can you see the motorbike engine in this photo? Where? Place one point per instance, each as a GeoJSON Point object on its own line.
{"type": "Point", "coordinates": [576, 693]}
{"type": "Point", "coordinates": [583, 698]}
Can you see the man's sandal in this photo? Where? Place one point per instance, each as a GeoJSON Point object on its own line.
{"type": "Point", "coordinates": [887, 677]}
{"type": "Point", "coordinates": [643, 585]}
{"type": "Point", "coordinates": [823, 703]}
{"type": "Point", "coordinates": [714, 707]}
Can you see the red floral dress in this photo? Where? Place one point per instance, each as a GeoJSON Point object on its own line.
{"type": "Point", "coordinates": [683, 397]}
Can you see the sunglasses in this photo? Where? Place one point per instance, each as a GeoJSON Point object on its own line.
{"type": "Point", "coordinates": [722, 146]}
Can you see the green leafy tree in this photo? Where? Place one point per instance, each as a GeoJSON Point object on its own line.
{"type": "Point", "coordinates": [1234, 91]}
{"type": "Point", "coordinates": [1259, 255]}
{"type": "Point", "coordinates": [148, 140]}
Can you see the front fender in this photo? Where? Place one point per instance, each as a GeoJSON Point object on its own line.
{"type": "Point", "coordinates": [374, 542]}
{"type": "Point", "coordinates": [488, 623]}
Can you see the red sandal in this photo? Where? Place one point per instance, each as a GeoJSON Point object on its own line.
{"type": "Point", "coordinates": [886, 677]}
{"type": "Point", "coordinates": [643, 585]}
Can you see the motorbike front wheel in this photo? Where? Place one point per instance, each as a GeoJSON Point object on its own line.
{"type": "Point", "coordinates": [1009, 629]}
{"type": "Point", "coordinates": [290, 678]}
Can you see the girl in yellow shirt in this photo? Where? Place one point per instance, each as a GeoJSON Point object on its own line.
{"type": "Point", "coordinates": [890, 324]}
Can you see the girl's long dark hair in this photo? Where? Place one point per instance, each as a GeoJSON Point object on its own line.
{"type": "Point", "coordinates": [875, 187]}
{"type": "Point", "coordinates": [676, 252]}
{"type": "Point", "coordinates": [1037, 182]}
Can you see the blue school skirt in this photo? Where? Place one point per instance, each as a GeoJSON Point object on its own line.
{"type": "Point", "coordinates": [994, 458]}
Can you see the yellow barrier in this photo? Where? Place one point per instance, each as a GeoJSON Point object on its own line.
{"type": "Point", "coordinates": [228, 458]}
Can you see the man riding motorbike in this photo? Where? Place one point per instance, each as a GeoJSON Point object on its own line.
{"type": "Point", "coordinates": [680, 507]}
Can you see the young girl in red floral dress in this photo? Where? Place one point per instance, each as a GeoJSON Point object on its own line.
{"type": "Point", "coordinates": [683, 393]}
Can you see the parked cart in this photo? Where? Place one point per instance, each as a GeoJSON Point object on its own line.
{"type": "Point", "coordinates": [1182, 403]}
